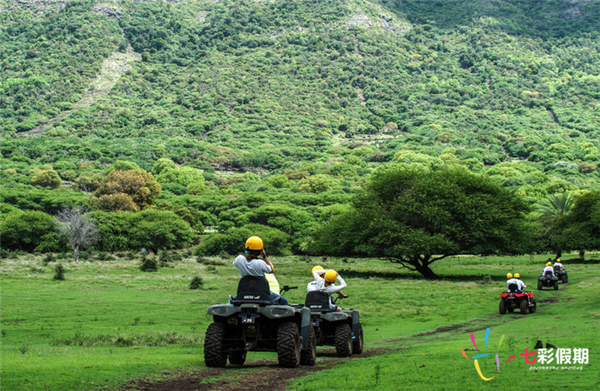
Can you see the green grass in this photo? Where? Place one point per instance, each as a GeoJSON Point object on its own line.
{"type": "Point", "coordinates": [109, 323]}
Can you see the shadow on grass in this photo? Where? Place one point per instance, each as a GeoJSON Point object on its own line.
{"type": "Point", "coordinates": [482, 279]}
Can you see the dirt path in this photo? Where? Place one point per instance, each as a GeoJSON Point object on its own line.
{"type": "Point", "coordinates": [261, 375]}
{"type": "Point", "coordinates": [112, 69]}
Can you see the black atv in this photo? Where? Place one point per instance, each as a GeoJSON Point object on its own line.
{"type": "Point", "coordinates": [516, 299]}
{"type": "Point", "coordinates": [332, 328]}
{"type": "Point", "coordinates": [253, 322]}
{"type": "Point", "coordinates": [561, 274]}
{"type": "Point", "coordinates": [547, 280]}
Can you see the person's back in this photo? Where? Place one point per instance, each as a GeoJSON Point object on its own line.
{"type": "Point", "coordinates": [520, 284]}
{"type": "Point", "coordinates": [325, 283]}
{"type": "Point", "coordinates": [249, 264]}
{"type": "Point", "coordinates": [558, 265]}
{"type": "Point", "coordinates": [548, 270]}
{"type": "Point", "coordinates": [515, 284]}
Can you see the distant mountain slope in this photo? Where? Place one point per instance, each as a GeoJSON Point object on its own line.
{"type": "Point", "coordinates": [484, 81]}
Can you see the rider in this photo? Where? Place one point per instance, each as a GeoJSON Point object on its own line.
{"type": "Point", "coordinates": [250, 264]}
{"type": "Point", "coordinates": [560, 265]}
{"type": "Point", "coordinates": [510, 280]}
{"type": "Point", "coordinates": [520, 283]}
{"type": "Point", "coordinates": [548, 268]}
{"type": "Point", "coordinates": [522, 287]}
{"type": "Point", "coordinates": [325, 283]}
{"type": "Point", "coordinates": [312, 286]}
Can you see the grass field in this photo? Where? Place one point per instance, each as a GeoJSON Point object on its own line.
{"type": "Point", "coordinates": [109, 323]}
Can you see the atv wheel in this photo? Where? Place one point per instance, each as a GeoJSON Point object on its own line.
{"type": "Point", "coordinates": [213, 346]}
{"type": "Point", "coordinates": [358, 342]}
{"type": "Point", "coordinates": [237, 358]}
{"type": "Point", "coordinates": [555, 285]}
{"type": "Point", "coordinates": [533, 308]}
{"type": "Point", "coordinates": [288, 345]}
{"type": "Point", "coordinates": [343, 340]}
{"type": "Point", "coordinates": [502, 307]}
{"type": "Point", "coordinates": [523, 307]}
{"type": "Point", "coordinates": [309, 356]}
{"type": "Point", "coordinates": [539, 285]}
{"type": "Point", "coordinates": [564, 279]}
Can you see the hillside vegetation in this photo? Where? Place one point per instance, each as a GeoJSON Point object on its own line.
{"type": "Point", "coordinates": [286, 107]}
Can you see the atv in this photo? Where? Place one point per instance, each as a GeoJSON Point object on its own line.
{"type": "Point", "coordinates": [514, 298]}
{"type": "Point", "coordinates": [332, 328]}
{"type": "Point", "coordinates": [252, 321]}
{"type": "Point", "coordinates": [561, 273]}
{"type": "Point", "coordinates": [547, 280]}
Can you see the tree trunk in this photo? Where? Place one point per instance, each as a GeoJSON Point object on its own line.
{"type": "Point", "coordinates": [422, 266]}
{"type": "Point", "coordinates": [558, 254]}
{"type": "Point", "coordinates": [76, 254]}
{"type": "Point", "coordinates": [581, 255]}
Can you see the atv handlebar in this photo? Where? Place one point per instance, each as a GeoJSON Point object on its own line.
{"type": "Point", "coordinates": [288, 288]}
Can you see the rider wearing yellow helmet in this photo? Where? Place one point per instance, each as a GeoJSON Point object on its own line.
{"type": "Point", "coordinates": [254, 262]}
{"type": "Point", "coordinates": [325, 283]}
{"type": "Point", "coordinates": [548, 269]}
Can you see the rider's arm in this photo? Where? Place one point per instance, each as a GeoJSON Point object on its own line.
{"type": "Point", "coordinates": [317, 274]}
{"type": "Point", "coordinates": [336, 288]}
{"type": "Point", "coordinates": [264, 258]}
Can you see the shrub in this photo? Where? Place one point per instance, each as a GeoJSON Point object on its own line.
{"type": "Point", "coordinates": [196, 283]}
{"type": "Point", "coordinates": [59, 272]}
{"type": "Point", "coordinates": [149, 264]}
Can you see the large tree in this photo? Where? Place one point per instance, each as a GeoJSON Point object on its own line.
{"type": "Point", "coordinates": [580, 229]}
{"type": "Point", "coordinates": [416, 216]}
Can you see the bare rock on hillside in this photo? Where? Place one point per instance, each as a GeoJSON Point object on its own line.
{"type": "Point", "coordinates": [108, 10]}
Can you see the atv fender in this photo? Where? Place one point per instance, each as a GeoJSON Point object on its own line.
{"type": "Point", "coordinates": [355, 322]}
{"type": "Point", "coordinates": [224, 310]}
{"type": "Point", "coordinates": [278, 311]}
{"type": "Point", "coordinates": [305, 327]}
{"type": "Point", "coordinates": [335, 316]}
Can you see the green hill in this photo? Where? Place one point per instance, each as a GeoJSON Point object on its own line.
{"type": "Point", "coordinates": [299, 88]}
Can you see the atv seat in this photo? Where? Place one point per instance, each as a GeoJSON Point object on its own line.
{"type": "Point", "coordinates": [548, 274]}
{"type": "Point", "coordinates": [254, 290]}
{"type": "Point", "coordinates": [513, 288]}
{"type": "Point", "coordinates": [318, 301]}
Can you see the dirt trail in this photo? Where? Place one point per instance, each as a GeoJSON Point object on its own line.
{"type": "Point", "coordinates": [234, 378]}
{"type": "Point", "coordinates": [112, 69]}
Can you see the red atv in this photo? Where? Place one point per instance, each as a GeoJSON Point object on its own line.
{"type": "Point", "coordinates": [516, 299]}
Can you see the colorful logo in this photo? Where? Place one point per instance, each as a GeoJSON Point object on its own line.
{"type": "Point", "coordinates": [562, 356]}
{"type": "Point", "coordinates": [479, 356]}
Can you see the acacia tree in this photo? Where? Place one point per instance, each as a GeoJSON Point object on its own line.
{"type": "Point", "coordinates": [77, 229]}
{"type": "Point", "coordinates": [415, 216]}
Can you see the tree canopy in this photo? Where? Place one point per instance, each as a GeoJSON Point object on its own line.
{"type": "Point", "coordinates": [416, 216]}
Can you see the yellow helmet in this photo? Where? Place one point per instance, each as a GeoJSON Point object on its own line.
{"type": "Point", "coordinates": [254, 243]}
{"type": "Point", "coordinates": [517, 275]}
{"type": "Point", "coordinates": [549, 264]}
{"type": "Point", "coordinates": [558, 260]}
{"type": "Point", "coordinates": [315, 269]}
{"type": "Point", "coordinates": [509, 276]}
{"type": "Point", "coordinates": [331, 276]}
